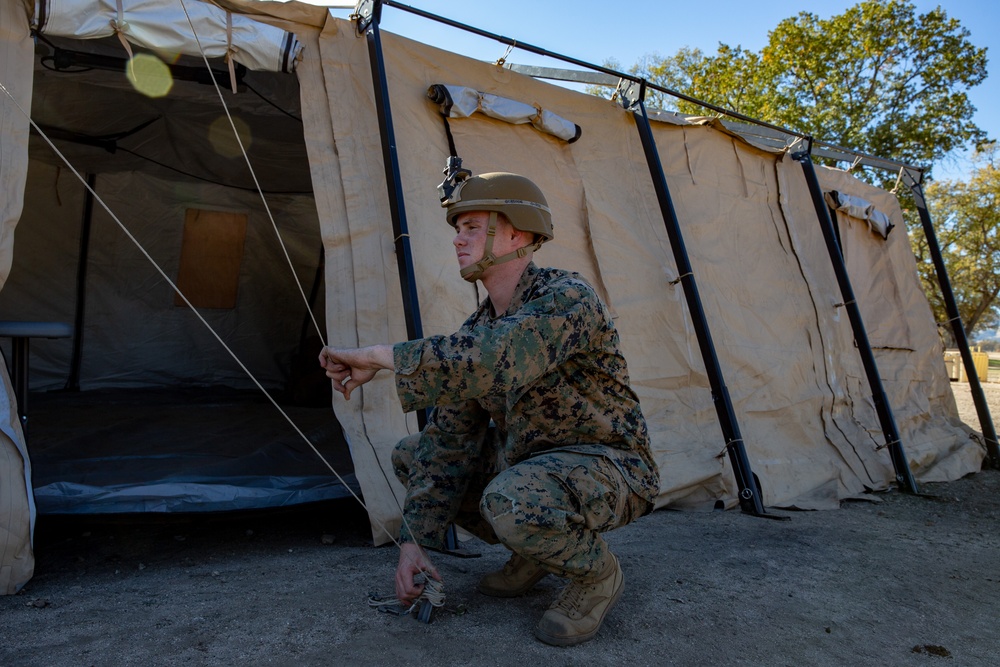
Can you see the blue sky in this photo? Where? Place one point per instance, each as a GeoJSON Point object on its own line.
{"type": "Point", "coordinates": [595, 31]}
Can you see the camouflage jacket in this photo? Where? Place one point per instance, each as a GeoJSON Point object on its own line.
{"type": "Point", "coordinates": [550, 375]}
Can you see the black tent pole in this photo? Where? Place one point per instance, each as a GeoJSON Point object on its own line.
{"type": "Point", "coordinates": [749, 492]}
{"type": "Point", "coordinates": [957, 329]}
{"type": "Point", "coordinates": [73, 383]}
{"type": "Point", "coordinates": [369, 14]}
{"type": "Point", "coordinates": [899, 463]}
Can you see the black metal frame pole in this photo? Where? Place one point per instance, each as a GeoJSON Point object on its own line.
{"type": "Point", "coordinates": [370, 13]}
{"type": "Point", "coordinates": [899, 463]}
{"type": "Point", "coordinates": [957, 328]}
{"type": "Point", "coordinates": [73, 383]}
{"type": "Point", "coordinates": [749, 491]}
{"type": "Point", "coordinates": [20, 346]}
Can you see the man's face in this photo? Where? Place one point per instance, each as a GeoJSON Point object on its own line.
{"type": "Point", "coordinates": [470, 237]}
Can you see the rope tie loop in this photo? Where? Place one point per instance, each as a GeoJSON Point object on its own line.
{"type": "Point", "coordinates": [899, 179]}
{"type": "Point", "coordinates": [887, 444]}
{"type": "Point", "coordinates": [230, 51]}
{"type": "Point", "coordinates": [120, 26]}
{"type": "Point", "coordinates": [503, 59]}
{"type": "Point", "coordinates": [680, 278]}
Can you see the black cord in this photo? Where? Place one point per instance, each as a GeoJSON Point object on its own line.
{"type": "Point", "coordinates": [48, 62]}
{"type": "Point", "coordinates": [209, 180]}
{"type": "Point", "coordinates": [255, 92]}
{"type": "Point", "coordinates": [451, 139]}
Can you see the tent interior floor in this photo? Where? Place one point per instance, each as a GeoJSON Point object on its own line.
{"type": "Point", "coordinates": [179, 450]}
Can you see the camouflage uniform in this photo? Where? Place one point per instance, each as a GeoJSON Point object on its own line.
{"type": "Point", "coordinates": [536, 439]}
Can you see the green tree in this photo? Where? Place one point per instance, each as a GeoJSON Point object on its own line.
{"type": "Point", "coordinates": [966, 217]}
{"type": "Point", "coordinates": [878, 78]}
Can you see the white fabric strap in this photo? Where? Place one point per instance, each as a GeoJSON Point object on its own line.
{"type": "Point", "coordinates": [120, 26]}
{"type": "Point", "coordinates": [230, 51]}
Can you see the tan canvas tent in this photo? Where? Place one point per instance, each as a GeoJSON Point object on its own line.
{"type": "Point", "coordinates": [767, 285]}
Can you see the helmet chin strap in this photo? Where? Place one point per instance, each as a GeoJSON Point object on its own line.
{"type": "Point", "coordinates": [474, 272]}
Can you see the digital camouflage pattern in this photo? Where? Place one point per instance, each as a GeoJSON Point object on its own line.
{"type": "Point", "coordinates": [550, 375]}
{"type": "Point", "coordinates": [550, 508]}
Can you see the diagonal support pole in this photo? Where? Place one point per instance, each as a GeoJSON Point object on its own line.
{"type": "Point", "coordinates": [957, 328]}
{"type": "Point", "coordinates": [749, 491]}
{"type": "Point", "coordinates": [904, 477]}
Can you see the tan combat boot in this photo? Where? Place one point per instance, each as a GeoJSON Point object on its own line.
{"type": "Point", "coordinates": [577, 614]}
{"type": "Point", "coordinates": [516, 578]}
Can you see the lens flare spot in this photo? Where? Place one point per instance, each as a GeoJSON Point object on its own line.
{"type": "Point", "coordinates": [149, 75]}
{"type": "Point", "coordinates": [220, 135]}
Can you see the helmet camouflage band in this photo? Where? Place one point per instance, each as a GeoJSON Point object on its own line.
{"type": "Point", "coordinates": [520, 200]}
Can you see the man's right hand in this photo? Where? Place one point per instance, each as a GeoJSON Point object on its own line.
{"type": "Point", "coordinates": [412, 561]}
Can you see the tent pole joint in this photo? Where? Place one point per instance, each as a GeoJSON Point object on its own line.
{"type": "Point", "coordinates": [367, 12]}
{"type": "Point", "coordinates": [630, 93]}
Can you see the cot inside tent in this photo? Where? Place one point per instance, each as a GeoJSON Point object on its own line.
{"type": "Point", "coordinates": [768, 287]}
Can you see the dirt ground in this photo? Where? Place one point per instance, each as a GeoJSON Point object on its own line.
{"type": "Point", "coordinates": [902, 581]}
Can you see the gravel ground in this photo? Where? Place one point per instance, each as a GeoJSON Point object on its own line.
{"type": "Point", "coordinates": [902, 580]}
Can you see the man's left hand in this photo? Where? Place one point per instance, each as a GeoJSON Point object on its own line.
{"type": "Point", "coordinates": [351, 368]}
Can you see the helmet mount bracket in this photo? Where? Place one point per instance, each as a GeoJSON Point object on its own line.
{"type": "Point", "coordinates": [454, 177]}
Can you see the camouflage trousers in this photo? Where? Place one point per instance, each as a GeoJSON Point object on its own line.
{"type": "Point", "coordinates": [550, 509]}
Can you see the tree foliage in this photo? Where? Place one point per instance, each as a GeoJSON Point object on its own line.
{"type": "Point", "coordinates": [878, 78]}
{"type": "Point", "coordinates": [966, 217]}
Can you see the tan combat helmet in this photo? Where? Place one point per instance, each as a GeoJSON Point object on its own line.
{"type": "Point", "coordinates": [516, 197]}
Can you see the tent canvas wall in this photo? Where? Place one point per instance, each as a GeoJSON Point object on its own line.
{"type": "Point", "coordinates": [768, 288]}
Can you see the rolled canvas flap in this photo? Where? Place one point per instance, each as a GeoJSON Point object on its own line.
{"type": "Point", "coordinates": [159, 26]}
{"type": "Point", "coordinates": [462, 102]}
{"type": "Point", "coordinates": [862, 209]}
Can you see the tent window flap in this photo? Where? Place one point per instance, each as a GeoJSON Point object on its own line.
{"type": "Point", "coordinates": [462, 102]}
{"type": "Point", "coordinates": [862, 209]}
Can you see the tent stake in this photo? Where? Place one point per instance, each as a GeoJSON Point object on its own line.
{"type": "Point", "coordinates": [631, 98]}
{"type": "Point", "coordinates": [904, 477]}
{"type": "Point", "coordinates": [957, 328]}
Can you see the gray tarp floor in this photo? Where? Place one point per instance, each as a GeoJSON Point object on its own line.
{"type": "Point", "coordinates": [199, 448]}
